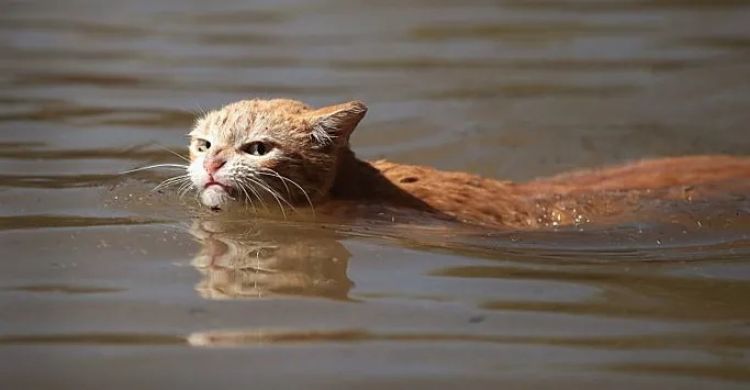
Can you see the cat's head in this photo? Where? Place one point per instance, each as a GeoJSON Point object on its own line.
{"type": "Point", "coordinates": [278, 150]}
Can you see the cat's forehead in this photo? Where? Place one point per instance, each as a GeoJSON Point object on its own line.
{"type": "Point", "coordinates": [249, 118]}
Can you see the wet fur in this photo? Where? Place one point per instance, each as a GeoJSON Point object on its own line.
{"type": "Point", "coordinates": [317, 168]}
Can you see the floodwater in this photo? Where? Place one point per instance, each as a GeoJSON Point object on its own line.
{"type": "Point", "coordinates": [104, 284]}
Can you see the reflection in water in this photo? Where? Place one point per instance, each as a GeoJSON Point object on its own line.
{"type": "Point", "coordinates": [252, 337]}
{"type": "Point", "coordinates": [625, 292]}
{"type": "Point", "coordinates": [63, 289]}
{"type": "Point", "coordinates": [241, 259]}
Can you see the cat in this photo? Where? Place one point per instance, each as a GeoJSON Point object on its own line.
{"type": "Point", "coordinates": [284, 152]}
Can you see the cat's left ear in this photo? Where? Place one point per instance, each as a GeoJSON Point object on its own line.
{"type": "Point", "coordinates": [334, 124]}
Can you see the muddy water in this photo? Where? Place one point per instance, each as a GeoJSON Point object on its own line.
{"type": "Point", "coordinates": [106, 285]}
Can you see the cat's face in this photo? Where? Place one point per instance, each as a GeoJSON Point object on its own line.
{"type": "Point", "coordinates": [260, 151]}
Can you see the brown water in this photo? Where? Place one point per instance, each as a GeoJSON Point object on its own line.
{"type": "Point", "coordinates": [106, 285]}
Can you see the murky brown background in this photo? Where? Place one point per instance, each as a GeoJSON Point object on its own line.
{"type": "Point", "coordinates": [105, 285]}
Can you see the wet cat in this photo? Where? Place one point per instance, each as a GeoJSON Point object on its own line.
{"type": "Point", "coordinates": [283, 152]}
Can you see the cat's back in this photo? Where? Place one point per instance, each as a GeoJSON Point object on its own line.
{"type": "Point", "coordinates": [568, 197]}
{"type": "Point", "coordinates": [464, 196]}
{"type": "Point", "coordinates": [651, 174]}
{"type": "Point", "coordinates": [664, 173]}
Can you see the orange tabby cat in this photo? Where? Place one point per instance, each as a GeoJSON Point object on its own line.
{"type": "Point", "coordinates": [285, 152]}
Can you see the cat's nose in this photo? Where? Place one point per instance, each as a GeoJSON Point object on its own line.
{"type": "Point", "coordinates": [213, 164]}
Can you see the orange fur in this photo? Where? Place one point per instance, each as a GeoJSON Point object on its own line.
{"type": "Point", "coordinates": [313, 151]}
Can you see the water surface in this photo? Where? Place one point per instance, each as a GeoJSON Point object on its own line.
{"type": "Point", "coordinates": [105, 284]}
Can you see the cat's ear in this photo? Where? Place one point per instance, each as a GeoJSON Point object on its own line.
{"type": "Point", "coordinates": [334, 124]}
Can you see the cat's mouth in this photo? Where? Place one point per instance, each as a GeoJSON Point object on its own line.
{"type": "Point", "coordinates": [216, 183]}
{"type": "Point", "coordinates": [215, 194]}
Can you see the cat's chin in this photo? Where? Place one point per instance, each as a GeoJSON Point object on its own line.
{"type": "Point", "coordinates": [215, 197]}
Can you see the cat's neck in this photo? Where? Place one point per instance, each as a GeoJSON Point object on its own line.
{"type": "Point", "coordinates": [356, 179]}
{"type": "Point", "coordinates": [359, 180]}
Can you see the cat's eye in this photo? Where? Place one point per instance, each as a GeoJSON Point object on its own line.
{"type": "Point", "coordinates": [257, 148]}
{"type": "Point", "coordinates": [202, 145]}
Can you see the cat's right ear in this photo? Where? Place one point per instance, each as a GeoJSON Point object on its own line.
{"type": "Point", "coordinates": [335, 124]}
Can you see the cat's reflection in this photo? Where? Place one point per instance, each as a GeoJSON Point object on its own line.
{"type": "Point", "coordinates": [253, 260]}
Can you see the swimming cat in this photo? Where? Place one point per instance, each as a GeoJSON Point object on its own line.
{"type": "Point", "coordinates": [283, 152]}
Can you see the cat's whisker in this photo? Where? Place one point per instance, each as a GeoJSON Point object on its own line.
{"type": "Point", "coordinates": [171, 181]}
{"type": "Point", "coordinates": [248, 198]}
{"type": "Point", "coordinates": [244, 174]}
{"type": "Point", "coordinates": [247, 195]}
{"type": "Point", "coordinates": [178, 177]}
{"type": "Point", "coordinates": [288, 192]}
{"type": "Point", "coordinates": [274, 194]}
{"type": "Point", "coordinates": [252, 189]}
{"type": "Point", "coordinates": [279, 196]}
{"type": "Point", "coordinates": [167, 183]}
{"type": "Point", "coordinates": [270, 191]}
{"type": "Point", "coordinates": [185, 188]}
{"type": "Point", "coordinates": [284, 179]}
{"type": "Point", "coordinates": [182, 191]}
{"type": "Point", "coordinates": [171, 166]}
{"type": "Point", "coordinates": [201, 110]}
{"type": "Point", "coordinates": [240, 188]}
{"type": "Point", "coordinates": [174, 153]}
